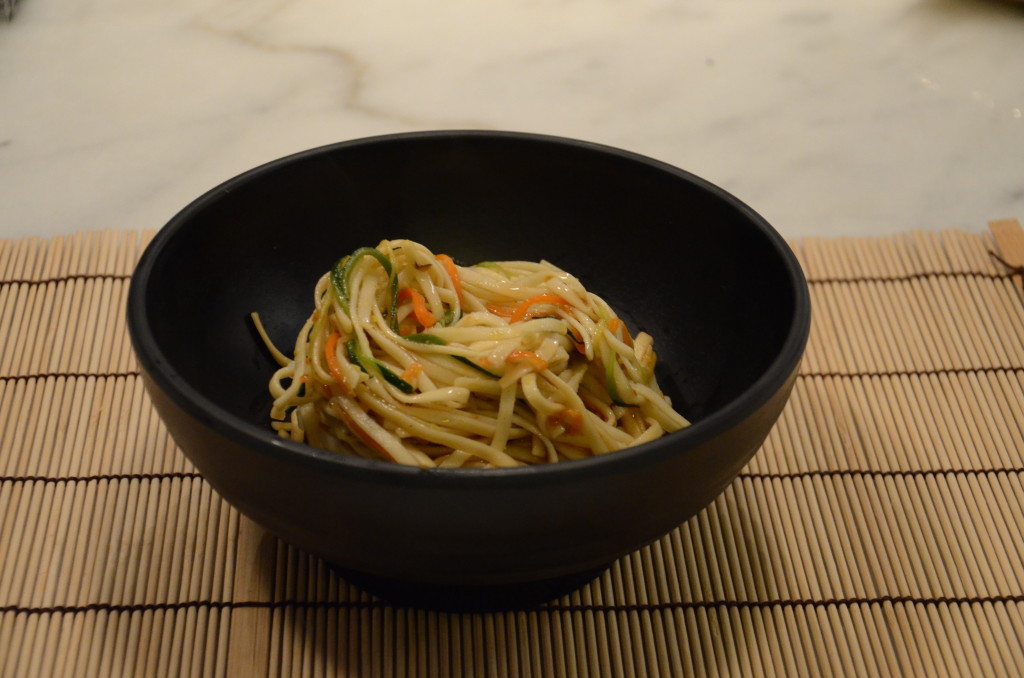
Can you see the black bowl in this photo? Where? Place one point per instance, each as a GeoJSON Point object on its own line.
{"type": "Point", "coordinates": [716, 286]}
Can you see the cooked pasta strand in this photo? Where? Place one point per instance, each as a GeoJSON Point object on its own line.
{"type": "Point", "coordinates": [411, 358]}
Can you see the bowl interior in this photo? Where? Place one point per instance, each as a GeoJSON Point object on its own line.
{"type": "Point", "coordinates": [675, 256]}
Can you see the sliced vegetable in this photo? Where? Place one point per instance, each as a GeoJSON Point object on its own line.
{"type": "Point", "coordinates": [412, 371]}
{"type": "Point", "coordinates": [453, 273]}
{"type": "Point", "coordinates": [355, 356]}
{"type": "Point", "coordinates": [570, 419]}
{"type": "Point", "coordinates": [467, 361]}
{"type": "Point", "coordinates": [433, 339]}
{"type": "Point", "coordinates": [363, 435]}
{"type": "Point", "coordinates": [419, 306]}
{"type": "Point", "coordinates": [523, 310]}
{"type": "Point", "coordinates": [577, 341]}
{"type": "Point", "coordinates": [331, 353]}
{"type": "Point", "coordinates": [393, 379]}
{"type": "Point", "coordinates": [423, 338]}
{"type": "Point", "coordinates": [370, 366]}
{"type": "Point", "coordinates": [500, 311]}
{"type": "Point", "coordinates": [538, 363]}
{"type": "Point", "coordinates": [338, 282]}
{"type": "Point", "coordinates": [610, 383]}
{"type": "Point", "coordinates": [342, 273]}
{"type": "Point", "coordinates": [393, 308]}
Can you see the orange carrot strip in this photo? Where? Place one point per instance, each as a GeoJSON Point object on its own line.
{"type": "Point", "coordinates": [570, 419]}
{"type": "Point", "coordinates": [412, 371]}
{"type": "Point", "coordinates": [501, 311]}
{"type": "Point", "coordinates": [363, 435]}
{"type": "Point", "coordinates": [522, 311]}
{"type": "Point", "coordinates": [577, 341]}
{"type": "Point", "coordinates": [453, 273]}
{"type": "Point", "coordinates": [419, 306]}
{"type": "Point", "coordinates": [535, 360]}
{"type": "Point", "coordinates": [332, 362]}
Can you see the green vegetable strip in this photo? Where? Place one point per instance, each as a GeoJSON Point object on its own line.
{"type": "Point", "coordinates": [355, 356]}
{"type": "Point", "coordinates": [369, 365]}
{"type": "Point", "coordinates": [433, 339]}
{"type": "Point", "coordinates": [464, 359]}
{"type": "Point", "coordinates": [609, 378]}
{"type": "Point", "coordinates": [393, 379]}
{"type": "Point", "coordinates": [393, 311]}
{"type": "Point", "coordinates": [360, 253]}
{"type": "Point", "coordinates": [341, 274]}
{"type": "Point", "coordinates": [338, 283]}
{"type": "Point", "coordinates": [422, 338]}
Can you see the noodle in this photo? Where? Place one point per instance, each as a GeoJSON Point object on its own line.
{"type": "Point", "coordinates": [410, 358]}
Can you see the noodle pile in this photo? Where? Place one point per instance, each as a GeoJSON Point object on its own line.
{"type": "Point", "coordinates": [411, 358]}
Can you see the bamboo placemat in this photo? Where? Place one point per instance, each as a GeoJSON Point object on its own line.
{"type": "Point", "coordinates": [880, 530]}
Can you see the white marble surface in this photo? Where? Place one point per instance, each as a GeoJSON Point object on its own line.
{"type": "Point", "coordinates": [828, 118]}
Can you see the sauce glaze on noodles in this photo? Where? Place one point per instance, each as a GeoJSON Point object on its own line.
{"type": "Point", "coordinates": [411, 358]}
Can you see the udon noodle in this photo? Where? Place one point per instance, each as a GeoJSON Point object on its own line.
{"type": "Point", "coordinates": [411, 358]}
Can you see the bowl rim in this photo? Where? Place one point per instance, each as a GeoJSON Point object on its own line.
{"type": "Point", "coordinates": [156, 367]}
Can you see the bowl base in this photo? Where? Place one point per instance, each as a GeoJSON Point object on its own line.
{"type": "Point", "coordinates": [469, 598]}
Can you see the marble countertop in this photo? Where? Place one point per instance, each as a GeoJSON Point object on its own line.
{"type": "Point", "coordinates": [827, 118]}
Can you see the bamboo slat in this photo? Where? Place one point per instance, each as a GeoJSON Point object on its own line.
{"type": "Point", "coordinates": [879, 531]}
